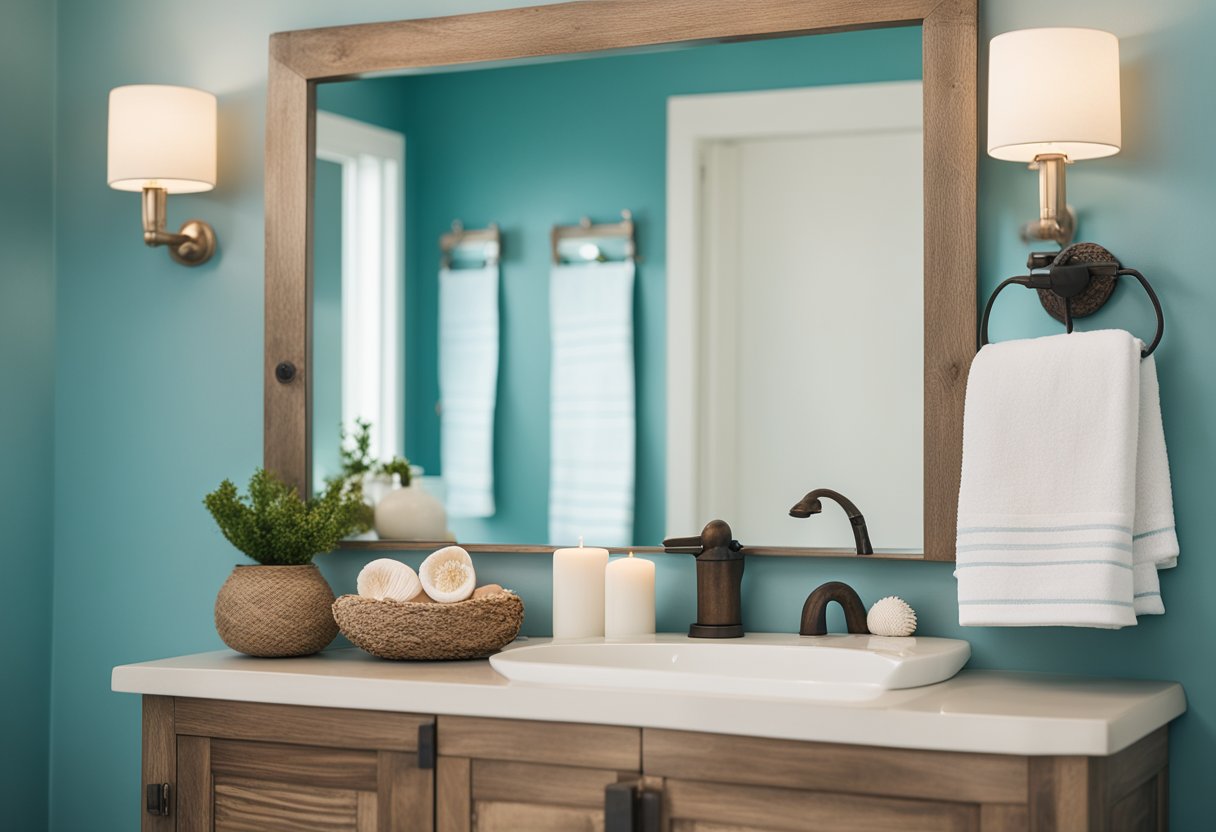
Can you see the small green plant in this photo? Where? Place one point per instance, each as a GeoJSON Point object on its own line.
{"type": "Point", "coordinates": [356, 457]}
{"type": "Point", "coordinates": [398, 466]}
{"type": "Point", "coordinates": [273, 526]}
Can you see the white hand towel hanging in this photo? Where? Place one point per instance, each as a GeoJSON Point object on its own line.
{"type": "Point", "coordinates": [468, 387]}
{"type": "Point", "coordinates": [592, 410]}
{"type": "Point", "coordinates": [1060, 482]}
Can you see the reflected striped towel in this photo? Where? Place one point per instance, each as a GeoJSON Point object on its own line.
{"type": "Point", "coordinates": [592, 412]}
{"type": "Point", "coordinates": [468, 387]}
{"type": "Point", "coordinates": [1065, 511]}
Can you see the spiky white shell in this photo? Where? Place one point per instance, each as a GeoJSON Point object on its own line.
{"type": "Point", "coordinates": [447, 575]}
{"type": "Point", "coordinates": [891, 616]}
{"type": "Point", "coordinates": [388, 580]}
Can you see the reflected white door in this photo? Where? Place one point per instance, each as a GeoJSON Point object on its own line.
{"type": "Point", "coordinates": [811, 345]}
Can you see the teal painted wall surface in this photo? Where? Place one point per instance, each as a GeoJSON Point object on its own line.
{"type": "Point", "coordinates": [530, 146]}
{"type": "Point", "coordinates": [158, 377]}
{"type": "Point", "coordinates": [327, 319]}
{"type": "Point", "coordinates": [27, 325]}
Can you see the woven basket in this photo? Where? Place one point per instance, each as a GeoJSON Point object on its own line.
{"type": "Point", "coordinates": [275, 611]}
{"type": "Point", "coordinates": [428, 632]}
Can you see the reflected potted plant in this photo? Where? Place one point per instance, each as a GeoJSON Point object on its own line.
{"type": "Point", "coordinates": [281, 605]}
{"type": "Point", "coordinates": [397, 507]}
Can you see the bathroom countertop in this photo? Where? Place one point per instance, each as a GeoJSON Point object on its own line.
{"type": "Point", "coordinates": [982, 711]}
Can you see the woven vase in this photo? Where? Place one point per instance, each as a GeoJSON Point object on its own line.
{"type": "Point", "coordinates": [275, 611]}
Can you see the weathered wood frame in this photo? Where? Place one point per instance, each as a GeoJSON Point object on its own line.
{"type": "Point", "coordinates": [301, 59]}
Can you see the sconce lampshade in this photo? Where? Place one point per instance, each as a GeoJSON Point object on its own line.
{"type": "Point", "coordinates": [161, 137]}
{"type": "Point", "coordinates": [1053, 91]}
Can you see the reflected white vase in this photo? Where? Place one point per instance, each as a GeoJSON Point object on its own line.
{"type": "Point", "coordinates": [410, 513]}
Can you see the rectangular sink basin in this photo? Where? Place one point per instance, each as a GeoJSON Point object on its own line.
{"type": "Point", "coordinates": [831, 667]}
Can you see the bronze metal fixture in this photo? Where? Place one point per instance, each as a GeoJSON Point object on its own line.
{"type": "Point", "coordinates": [193, 245]}
{"type": "Point", "coordinates": [815, 610]}
{"type": "Point", "coordinates": [810, 504]}
{"type": "Point", "coordinates": [719, 579]}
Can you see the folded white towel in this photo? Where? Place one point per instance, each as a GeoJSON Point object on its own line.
{"type": "Point", "coordinates": [1154, 541]}
{"type": "Point", "coordinates": [592, 420]}
{"type": "Point", "coordinates": [468, 387]}
{"type": "Point", "coordinates": [1055, 478]}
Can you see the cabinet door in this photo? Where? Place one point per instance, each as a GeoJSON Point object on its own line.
{"type": "Point", "coordinates": [506, 775]}
{"type": "Point", "coordinates": [245, 767]}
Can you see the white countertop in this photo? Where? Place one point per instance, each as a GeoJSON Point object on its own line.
{"type": "Point", "coordinates": [982, 711]}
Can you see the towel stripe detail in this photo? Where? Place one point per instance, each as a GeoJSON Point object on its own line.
{"type": "Point", "coordinates": [1105, 602]}
{"type": "Point", "coordinates": [1080, 528]}
{"type": "Point", "coordinates": [973, 564]}
{"type": "Point", "coordinates": [1028, 547]}
{"type": "Point", "coordinates": [1153, 533]}
{"type": "Point", "coordinates": [1147, 595]}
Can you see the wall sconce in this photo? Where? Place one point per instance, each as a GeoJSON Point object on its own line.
{"type": "Point", "coordinates": [161, 142]}
{"type": "Point", "coordinates": [1053, 99]}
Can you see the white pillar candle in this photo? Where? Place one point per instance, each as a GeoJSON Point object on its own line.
{"type": "Point", "coordinates": [629, 598]}
{"type": "Point", "coordinates": [578, 592]}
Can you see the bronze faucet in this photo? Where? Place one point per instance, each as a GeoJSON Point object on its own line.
{"type": "Point", "coordinates": [815, 610]}
{"type": "Point", "coordinates": [810, 504]}
{"type": "Point", "coordinates": [719, 579]}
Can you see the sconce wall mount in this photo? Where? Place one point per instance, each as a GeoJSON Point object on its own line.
{"type": "Point", "coordinates": [1053, 99]}
{"type": "Point", "coordinates": [162, 140]}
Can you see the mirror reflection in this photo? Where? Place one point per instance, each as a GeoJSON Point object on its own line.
{"type": "Point", "coordinates": [614, 297]}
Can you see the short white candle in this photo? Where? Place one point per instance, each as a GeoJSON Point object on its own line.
{"type": "Point", "coordinates": [578, 592]}
{"type": "Point", "coordinates": [629, 598]}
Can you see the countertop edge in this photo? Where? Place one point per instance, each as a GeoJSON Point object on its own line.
{"type": "Point", "coordinates": [907, 723]}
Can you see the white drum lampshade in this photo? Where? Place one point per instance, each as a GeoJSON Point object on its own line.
{"type": "Point", "coordinates": [162, 137]}
{"type": "Point", "coordinates": [1053, 91]}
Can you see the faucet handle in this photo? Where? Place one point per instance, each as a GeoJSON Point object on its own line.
{"type": "Point", "coordinates": [683, 545]}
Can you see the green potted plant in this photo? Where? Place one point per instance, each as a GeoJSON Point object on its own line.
{"type": "Point", "coordinates": [281, 605]}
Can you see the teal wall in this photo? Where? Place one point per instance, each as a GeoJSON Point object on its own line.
{"type": "Point", "coordinates": [327, 320]}
{"type": "Point", "coordinates": [27, 325]}
{"type": "Point", "coordinates": [158, 378]}
{"type": "Point", "coordinates": [529, 146]}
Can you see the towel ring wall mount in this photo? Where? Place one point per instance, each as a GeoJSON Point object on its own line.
{"type": "Point", "coordinates": [1075, 283]}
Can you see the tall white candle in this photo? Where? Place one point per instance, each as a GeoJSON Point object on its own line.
{"type": "Point", "coordinates": [629, 598]}
{"type": "Point", "coordinates": [578, 592]}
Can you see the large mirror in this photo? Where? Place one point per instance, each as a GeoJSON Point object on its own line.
{"type": "Point", "coordinates": [611, 296]}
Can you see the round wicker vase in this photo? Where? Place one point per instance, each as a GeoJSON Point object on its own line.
{"type": "Point", "coordinates": [275, 611]}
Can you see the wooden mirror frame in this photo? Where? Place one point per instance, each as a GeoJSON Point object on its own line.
{"type": "Point", "coordinates": [301, 59]}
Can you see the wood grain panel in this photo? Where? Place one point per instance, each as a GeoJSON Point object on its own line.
{"type": "Point", "coordinates": [366, 811]}
{"type": "Point", "coordinates": [494, 780]}
{"type": "Point", "coordinates": [1136, 811]}
{"type": "Point", "coordinates": [996, 817]}
{"type": "Point", "coordinates": [567, 28]}
{"type": "Point", "coordinates": [251, 806]}
{"type": "Point", "coordinates": [857, 769]}
{"type": "Point", "coordinates": [787, 810]}
{"type": "Point", "coordinates": [406, 793]}
{"type": "Point", "coordinates": [194, 784]}
{"type": "Point", "coordinates": [949, 54]}
{"type": "Point", "coordinates": [294, 724]}
{"type": "Point", "coordinates": [1059, 794]}
{"type": "Point", "coordinates": [330, 768]}
{"type": "Point", "coordinates": [516, 817]}
{"type": "Point", "coordinates": [453, 794]}
{"type": "Point", "coordinates": [1137, 763]}
{"type": "Point", "coordinates": [290, 168]}
{"type": "Point", "coordinates": [158, 763]}
{"type": "Point", "coordinates": [555, 743]}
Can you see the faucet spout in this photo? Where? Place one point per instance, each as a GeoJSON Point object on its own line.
{"type": "Point", "coordinates": [810, 504]}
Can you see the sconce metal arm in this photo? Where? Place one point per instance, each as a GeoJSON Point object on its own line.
{"type": "Point", "coordinates": [192, 245]}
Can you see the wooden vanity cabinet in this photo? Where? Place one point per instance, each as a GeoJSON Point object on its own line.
{"type": "Point", "coordinates": [237, 766]}
{"type": "Point", "coordinates": [247, 766]}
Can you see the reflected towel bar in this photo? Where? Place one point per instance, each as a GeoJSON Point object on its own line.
{"type": "Point", "coordinates": [488, 239]}
{"type": "Point", "coordinates": [589, 232]}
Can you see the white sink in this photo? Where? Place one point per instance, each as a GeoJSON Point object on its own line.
{"type": "Point", "coordinates": [831, 667]}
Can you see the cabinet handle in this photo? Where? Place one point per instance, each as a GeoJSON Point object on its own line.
{"type": "Point", "coordinates": [630, 808]}
{"type": "Point", "coordinates": [158, 799]}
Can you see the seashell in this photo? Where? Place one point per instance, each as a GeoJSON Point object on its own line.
{"type": "Point", "coordinates": [891, 616]}
{"type": "Point", "coordinates": [447, 575]}
{"type": "Point", "coordinates": [388, 580]}
{"type": "Point", "coordinates": [488, 589]}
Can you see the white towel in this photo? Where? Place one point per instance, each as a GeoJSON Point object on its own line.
{"type": "Point", "coordinates": [592, 411]}
{"type": "Point", "coordinates": [1056, 480]}
{"type": "Point", "coordinates": [468, 387]}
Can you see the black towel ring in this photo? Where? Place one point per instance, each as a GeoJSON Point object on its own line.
{"type": "Point", "coordinates": [1066, 280]}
